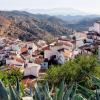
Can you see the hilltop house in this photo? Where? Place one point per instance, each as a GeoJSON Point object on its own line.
{"type": "Point", "coordinates": [93, 39]}
{"type": "Point", "coordinates": [95, 27]}
{"type": "Point", "coordinates": [94, 32]}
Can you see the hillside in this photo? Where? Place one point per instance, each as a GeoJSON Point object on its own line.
{"type": "Point", "coordinates": [28, 26]}
{"type": "Point", "coordinates": [70, 18]}
{"type": "Point", "coordinates": [4, 24]}
{"type": "Point", "coordinates": [79, 22]}
{"type": "Point", "coordinates": [84, 24]}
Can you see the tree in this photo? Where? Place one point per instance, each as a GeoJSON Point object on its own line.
{"type": "Point", "coordinates": [75, 71]}
{"type": "Point", "coordinates": [9, 76]}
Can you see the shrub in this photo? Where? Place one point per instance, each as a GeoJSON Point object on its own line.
{"type": "Point", "coordinates": [75, 71]}
{"type": "Point", "coordinates": [9, 76]}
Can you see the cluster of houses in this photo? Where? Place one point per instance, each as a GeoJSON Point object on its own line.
{"type": "Point", "coordinates": [91, 44]}
{"type": "Point", "coordinates": [34, 57]}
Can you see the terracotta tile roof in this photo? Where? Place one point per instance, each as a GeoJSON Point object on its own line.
{"type": "Point", "coordinates": [24, 49]}
{"type": "Point", "coordinates": [64, 43]}
{"type": "Point", "coordinates": [38, 60]}
{"type": "Point", "coordinates": [46, 48]}
{"type": "Point", "coordinates": [19, 60]}
{"type": "Point", "coordinates": [67, 53]}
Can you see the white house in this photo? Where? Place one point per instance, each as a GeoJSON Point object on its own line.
{"type": "Point", "coordinates": [95, 27]}
{"type": "Point", "coordinates": [49, 53]}
{"type": "Point", "coordinates": [15, 47]}
{"type": "Point", "coordinates": [14, 63]}
{"type": "Point", "coordinates": [32, 69]}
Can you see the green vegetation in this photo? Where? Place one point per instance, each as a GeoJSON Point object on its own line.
{"type": "Point", "coordinates": [62, 92]}
{"type": "Point", "coordinates": [77, 70]}
{"type": "Point", "coordinates": [77, 79]}
{"type": "Point", "coordinates": [9, 76]}
{"type": "Point", "coordinates": [10, 92]}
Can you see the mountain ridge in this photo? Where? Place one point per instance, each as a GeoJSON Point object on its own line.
{"type": "Point", "coordinates": [27, 26]}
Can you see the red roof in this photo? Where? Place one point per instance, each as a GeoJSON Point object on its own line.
{"type": "Point", "coordinates": [23, 50]}
{"type": "Point", "coordinates": [46, 48]}
{"type": "Point", "coordinates": [38, 60]}
{"type": "Point", "coordinates": [19, 60]}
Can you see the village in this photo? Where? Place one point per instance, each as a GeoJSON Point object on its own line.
{"type": "Point", "coordinates": [33, 59]}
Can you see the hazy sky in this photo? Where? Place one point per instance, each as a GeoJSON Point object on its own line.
{"type": "Point", "coordinates": [92, 6]}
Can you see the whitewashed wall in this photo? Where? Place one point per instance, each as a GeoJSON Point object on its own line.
{"type": "Point", "coordinates": [32, 69]}
{"type": "Point", "coordinates": [97, 27]}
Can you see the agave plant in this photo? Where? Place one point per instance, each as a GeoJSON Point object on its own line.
{"type": "Point", "coordinates": [62, 93]}
{"type": "Point", "coordinates": [11, 93]}
{"type": "Point", "coordinates": [75, 92]}
{"type": "Point", "coordinates": [3, 92]}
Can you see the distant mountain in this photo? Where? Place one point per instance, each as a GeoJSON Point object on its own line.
{"type": "Point", "coordinates": [80, 22]}
{"type": "Point", "coordinates": [27, 26]}
{"type": "Point", "coordinates": [77, 18]}
{"type": "Point", "coordinates": [56, 11]}
{"type": "Point", "coordinates": [84, 24]}
{"type": "Point", "coordinates": [70, 18]}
